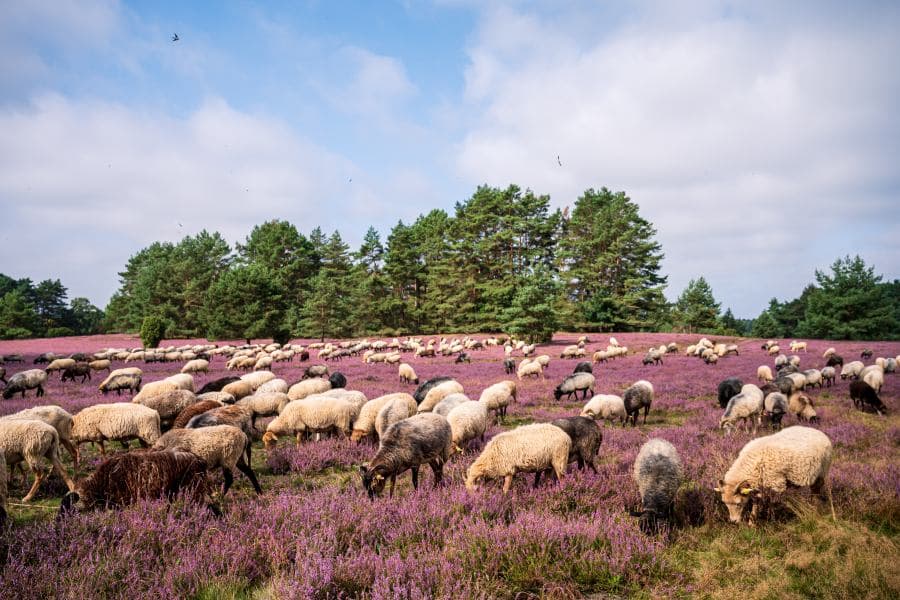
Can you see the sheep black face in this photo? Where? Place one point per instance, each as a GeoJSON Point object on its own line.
{"type": "Point", "coordinates": [557, 393]}
{"type": "Point", "coordinates": [337, 380]}
{"type": "Point", "coordinates": [373, 482]}
{"type": "Point", "coordinates": [649, 521]}
{"type": "Point", "coordinates": [70, 503]}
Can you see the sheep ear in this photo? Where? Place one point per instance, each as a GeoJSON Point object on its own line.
{"type": "Point", "coordinates": [718, 489]}
{"type": "Point", "coordinates": [364, 468]}
{"type": "Point", "coordinates": [378, 476]}
{"type": "Point", "coordinates": [745, 489]}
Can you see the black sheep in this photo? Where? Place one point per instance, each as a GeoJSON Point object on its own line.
{"type": "Point", "coordinates": [423, 389]}
{"type": "Point", "coordinates": [80, 369]}
{"type": "Point", "coordinates": [865, 353]}
{"type": "Point", "coordinates": [583, 367]}
{"type": "Point", "coordinates": [216, 385]}
{"type": "Point", "coordinates": [835, 361]}
{"type": "Point", "coordinates": [728, 388]}
{"type": "Point", "coordinates": [509, 365]}
{"type": "Point", "coordinates": [337, 380]}
{"type": "Point", "coordinates": [586, 439]}
{"type": "Point", "coordinates": [463, 357]}
{"type": "Point", "coordinates": [865, 397]}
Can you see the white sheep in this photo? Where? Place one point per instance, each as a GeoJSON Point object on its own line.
{"type": "Point", "coordinates": [530, 448]}
{"type": "Point", "coordinates": [438, 393]}
{"type": "Point", "coordinates": [154, 388]}
{"type": "Point", "coordinates": [238, 389]}
{"type": "Point", "coordinates": [220, 446]}
{"type": "Point", "coordinates": [60, 364]}
{"type": "Point", "coordinates": [308, 387]}
{"type": "Point", "coordinates": [257, 378]}
{"type": "Point", "coordinates": [802, 407]}
{"type": "Point", "coordinates": [31, 441]}
{"type": "Point", "coordinates": [264, 404]}
{"type": "Point", "coordinates": [797, 346]}
{"type": "Point", "coordinates": [606, 407]}
{"type": "Point", "coordinates": [407, 373]}
{"type": "Point", "coordinates": [364, 425]}
{"type": "Point", "coordinates": [198, 365]}
{"type": "Point", "coordinates": [813, 377]}
{"type": "Point", "coordinates": [119, 421]}
{"type": "Point", "coordinates": [764, 373]}
{"type": "Point", "coordinates": [799, 456]}
{"type": "Point", "coordinates": [398, 408]}
{"type": "Point", "coordinates": [55, 416]}
{"type": "Point", "coordinates": [263, 362]}
{"type": "Point", "coordinates": [273, 385]}
{"type": "Point", "coordinates": [829, 352]}
{"type": "Point", "coordinates": [852, 369]}
{"type": "Point", "coordinates": [498, 396]}
{"type": "Point", "coordinates": [468, 421]}
{"type": "Point", "coordinates": [543, 359]}
{"type": "Point", "coordinates": [746, 408]}
{"type": "Point", "coordinates": [168, 404]}
{"type": "Point", "coordinates": [450, 402]}
{"type": "Point", "coordinates": [313, 414]}
{"type": "Point", "coordinates": [182, 381]}
{"type": "Point", "coordinates": [532, 368]}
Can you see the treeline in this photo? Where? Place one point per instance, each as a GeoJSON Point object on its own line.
{"type": "Point", "coordinates": [30, 310]}
{"type": "Point", "coordinates": [503, 261]}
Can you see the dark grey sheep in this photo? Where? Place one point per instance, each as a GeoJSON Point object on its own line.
{"type": "Point", "coordinates": [337, 380]}
{"type": "Point", "coordinates": [638, 396]}
{"type": "Point", "coordinates": [462, 357]}
{"type": "Point", "coordinates": [658, 473]}
{"type": "Point", "coordinates": [583, 382]}
{"type": "Point", "coordinates": [586, 439]}
{"type": "Point", "coordinates": [583, 367]}
{"type": "Point", "coordinates": [406, 445]}
{"type": "Point", "coordinates": [776, 404]}
{"type": "Point", "coordinates": [81, 369]}
{"type": "Point", "coordinates": [216, 385]}
{"type": "Point", "coordinates": [509, 365]}
{"type": "Point", "coordinates": [728, 388]}
{"type": "Point", "coordinates": [24, 381]}
{"type": "Point", "coordinates": [865, 397]}
{"type": "Point", "coordinates": [835, 361]}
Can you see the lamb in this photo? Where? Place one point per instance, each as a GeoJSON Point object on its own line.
{"type": "Point", "coordinates": [658, 474]}
{"type": "Point", "coordinates": [743, 407]}
{"type": "Point", "coordinates": [313, 414]}
{"type": "Point", "coordinates": [423, 389]}
{"type": "Point", "coordinates": [198, 365]}
{"type": "Point", "coordinates": [30, 441]}
{"type": "Point", "coordinates": [728, 388]}
{"type": "Point", "coordinates": [168, 404]}
{"type": "Point", "coordinates": [54, 416]}
{"type": "Point", "coordinates": [509, 366]}
{"type": "Point", "coordinates": [220, 446]}
{"type": "Point", "coordinates": [584, 367]}
{"type": "Point", "coordinates": [273, 385]}
{"type": "Point", "coordinates": [120, 421]}
{"type": "Point", "coordinates": [639, 395]}
{"type": "Point", "coordinates": [586, 439]}
{"type": "Point", "coordinates": [265, 404]}
{"type": "Point", "coordinates": [216, 385]}
{"type": "Point", "coordinates": [81, 369]}
{"type": "Point", "coordinates": [865, 397]}
{"type": "Point", "coordinates": [364, 425]}
{"type": "Point", "coordinates": [574, 383]}
{"type": "Point", "coordinates": [399, 408]}
{"type": "Point", "coordinates": [852, 370]}
{"type": "Point", "coordinates": [530, 368]}
{"type": "Point", "coordinates": [801, 406]}
{"type": "Point", "coordinates": [828, 376]}
{"type": "Point", "coordinates": [468, 421]}
{"type": "Point", "coordinates": [438, 393]}
{"type": "Point", "coordinates": [407, 374]}
{"type": "Point", "coordinates": [422, 438]}
{"type": "Point", "coordinates": [606, 407]}
{"type": "Point", "coordinates": [197, 408]}
{"type": "Point", "coordinates": [128, 478]}
{"type": "Point", "coordinates": [764, 374]}
{"type": "Point", "coordinates": [498, 396]}
{"type": "Point", "coordinates": [308, 387]}
{"type": "Point", "coordinates": [797, 455]}
{"type": "Point", "coordinates": [24, 381]}
{"type": "Point", "coordinates": [528, 449]}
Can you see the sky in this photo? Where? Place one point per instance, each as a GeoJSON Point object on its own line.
{"type": "Point", "coordinates": [761, 138]}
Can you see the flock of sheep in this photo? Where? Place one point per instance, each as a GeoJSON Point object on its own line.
{"type": "Point", "coordinates": [212, 428]}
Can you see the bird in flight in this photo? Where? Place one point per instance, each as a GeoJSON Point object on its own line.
{"type": "Point", "coordinates": [557, 160]}
{"type": "Point", "coordinates": [179, 225]}
{"type": "Point", "coordinates": [175, 37]}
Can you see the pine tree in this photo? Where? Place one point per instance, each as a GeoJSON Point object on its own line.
{"type": "Point", "coordinates": [327, 310]}
{"type": "Point", "coordinates": [244, 303]}
{"type": "Point", "coordinates": [696, 309]}
{"type": "Point", "coordinates": [18, 317]}
{"type": "Point", "coordinates": [533, 313]}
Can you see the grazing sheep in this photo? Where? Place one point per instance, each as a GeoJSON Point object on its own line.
{"type": "Point", "coordinates": [586, 439]}
{"type": "Point", "coordinates": [273, 385]}
{"type": "Point", "coordinates": [652, 357]}
{"type": "Point", "coordinates": [835, 361]}
{"type": "Point", "coordinates": [797, 346]}
{"type": "Point", "coordinates": [120, 381]}
{"type": "Point", "coordinates": [774, 350]}
{"type": "Point", "coordinates": [120, 421]}
{"type": "Point", "coordinates": [31, 441]}
{"type": "Point", "coordinates": [198, 365]}
{"type": "Point", "coordinates": [315, 371]}
{"type": "Point", "coordinates": [828, 376]}
{"type": "Point", "coordinates": [197, 408]}
{"type": "Point", "coordinates": [498, 396]}
{"type": "Point", "coordinates": [182, 381]}
{"type": "Point", "coordinates": [658, 474]}
{"type": "Point", "coordinates": [308, 387]}
{"type": "Point", "coordinates": [780, 361]}
{"type": "Point", "coordinates": [732, 349]}
{"type": "Point", "coordinates": [264, 404]}
{"type": "Point", "coordinates": [794, 360]}
{"type": "Point", "coordinates": [154, 388]}
{"type": "Point", "coordinates": [128, 478]}
{"type": "Point", "coordinates": [526, 449]}
{"type": "Point", "coordinates": [422, 438]}
{"type": "Point", "coordinates": [584, 367]}
{"type": "Point", "coordinates": [220, 397]}
{"type": "Point", "coordinates": [572, 352]}
{"type": "Point", "coordinates": [583, 382]}
{"type": "Point", "coordinates": [423, 389]}
{"type": "Point", "coordinates": [711, 358]}
{"type": "Point", "coordinates": [828, 352]}
{"type": "Point", "coordinates": [728, 388]}
{"type": "Point", "coordinates": [168, 404]}
{"type": "Point", "coordinates": [462, 357]}
{"type": "Point", "coordinates": [24, 381]}
{"type": "Point", "coordinates": [238, 416]}
{"type": "Point", "coordinates": [257, 378]}
{"type": "Point", "coordinates": [764, 374]}
{"type": "Point", "coordinates": [813, 377]}
{"type": "Point", "coordinates": [606, 407]}
{"type": "Point", "coordinates": [797, 455]}
{"type": "Point", "coordinates": [100, 365]}
{"type": "Point", "coordinates": [450, 402]}
{"type": "Point", "coordinates": [407, 374]}
{"type": "Point", "coordinates": [509, 366]}
{"type": "Point", "coordinates": [364, 425]}
{"type": "Point", "coordinates": [746, 408]}
{"type": "Point", "coordinates": [220, 447]}
{"type": "Point", "coordinates": [865, 397]}
{"type": "Point", "coordinates": [874, 376]}
{"type": "Point", "coordinates": [775, 406]}
{"type": "Point", "coordinates": [314, 414]}
{"type": "Point", "coordinates": [852, 370]}
{"type": "Point", "coordinates": [54, 416]}
{"type": "Point", "coordinates": [81, 369]}
{"type": "Point", "coordinates": [866, 354]}
{"type": "Point", "coordinates": [438, 393]}
{"type": "Point", "coordinates": [468, 421]}
{"type": "Point", "coordinates": [216, 385]}
{"type": "Point", "coordinates": [543, 359]}
{"type": "Point", "coordinates": [530, 368]}
{"type": "Point", "coordinates": [399, 408]}
{"type": "Point", "coordinates": [802, 407]}
{"type": "Point", "coordinates": [60, 364]}
{"type": "Point", "coordinates": [600, 356]}
{"type": "Point", "coordinates": [639, 395]}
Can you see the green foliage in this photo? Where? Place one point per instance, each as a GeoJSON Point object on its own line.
{"type": "Point", "coordinates": [245, 302]}
{"type": "Point", "coordinates": [153, 329]}
{"type": "Point", "coordinates": [327, 309]}
{"type": "Point", "coordinates": [28, 310]}
{"type": "Point", "coordinates": [18, 318]}
{"type": "Point", "coordinates": [696, 309]}
{"type": "Point", "coordinates": [533, 312]}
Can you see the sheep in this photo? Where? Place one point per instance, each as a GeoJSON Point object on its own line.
{"type": "Point", "coordinates": [813, 377]}
{"type": "Point", "coordinates": [313, 414]}
{"type": "Point", "coordinates": [800, 456]}
{"type": "Point", "coordinates": [308, 387]}
{"type": "Point", "coordinates": [774, 408]}
{"type": "Point", "coordinates": [572, 352]}
{"type": "Point", "coordinates": [613, 342]}
{"type": "Point", "coordinates": [60, 364]}
{"type": "Point", "coordinates": [54, 416]}
{"type": "Point", "coordinates": [599, 356]}
{"type": "Point", "coordinates": [574, 383]}
{"type": "Point", "coordinates": [120, 421]}
{"type": "Point", "coordinates": [24, 381]}
{"type": "Point", "coordinates": [239, 416]}
{"type": "Point", "coordinates": [586, 439]}
{"type": "Point", "coordinates": [798, 381]}
{"type": "Point", "coordinates": [407, 374]}
{"type": "Point", "coordinates": [198, 365]}
{"type": "Point", "coordinates": [30, 441]}
{"type": "Point", "coordinates": [182, 381]}
{"type": "Point", "coordinates": [273, 385]}
{"type": "Point", "coordinates": [364, 425]}
{"type": "Point", "coordinates": [797, 346]}
{"type": "Point", "coordinates": [764, 374]}
{"type": "Point", "coordinates": [711, 358]}
{"type": "Point", "coordinates": [774, 350]}
{"type": "Point", "coordinates": [128, 478]}
{"type": "Point", "coordinates": [10, 358]}
{"type": "Point", "coordinates": [82, 370]}
{"type": "Point", "coordinates": [652, 357]}
{"type": "Point", "coordinates": [835, 360]}
{"type": "Point", "coordinates": [438, 393]}
{"type": "Point", "coordinates": [168, 404]}
{"type": "Point", "coordinates": [257, 378]}
{"type": "Point", "coordinates": [216, 385]}
{"type": "Point", "coordinates": [264, 404]}
{"type": "Point", "coordinates": [219, 446]}
{"type": "Point", "coordinates": [529, 369]}
{"type": "Point", "coordinates": [120, 381]}
{"type": "Point", "coordinates": [337, 380]}
{"type": "Point", "coordinates": [509, 366]}
{"type": "Point", "coordinates": [852, 369]}
{"type": "Point", "coordinates": [606, 407]}
{"type": "Point", "coordinates": [189, 412]}
{"type": "Point", "coordinates": [154, 388]}
{"type": "Point", "coordinates": [463, 357]}
{"type": "Point", "coordinates": [658, 473]}
{"type": "Point", "coordinates": [728, 388]}
{"type": "Point", "coordinates": [874, 376]}
{"type": "Point", "coordinates": [423, 389]}
{"type": "Point", "coordinates": [583, 367]}
{"type": "Point", "coordinates": [639, 395]}
{"type": "Point", "coordinates": [468, 421]}
{"type": "Point", "coordinates": [780, 360]}
{"type": "Point", "coordinates": [498, 396]}
{"type": "Point", "coordinates": [100, 365]}
{"type": "Point", "coordinates": [315, 371]}
{"type": "Point", "coordinates": [747, 408]}
{"type": "Point", "coordinates": [3, 490]}
{"type": "Point", "coordinates": [802, 407]}
{"type": "Point", "coordinates": [529, 449]}
{"type": "Point", "coordinates": [865, 397]}
{"type": "Point", "coordinates": [732, 349]}
{"type": "Point", "coordinates": [450, 402]}
{"type": "Point", "coordinates": [794, 360]}
{"type": "Point", "coordinates": [828, 376]}
{"type": "Point", "coordinates": [220, 397]}
{"type": "Point", "coordinates": [866, 354]}
{"type": "Point", "coordinates": [397, 409]}
{"type": "Point", "coordinates": [263, 362]}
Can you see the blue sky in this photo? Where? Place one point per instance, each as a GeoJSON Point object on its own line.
{"type": "Point", "coordinates": [762, 140]}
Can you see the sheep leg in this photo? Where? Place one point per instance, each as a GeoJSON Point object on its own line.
{"type": "Point", "coordinates": [507, 483]}
{"type": "Point", "coordinates": [393, 482]}
{"type": "Point", "coordinates": [102, 448]}
{"type": "Point", "coordinates": [70, 447]}
{"type": "Point", "coordinates": [415, 477]}
{"type": "Point", "coordinates": [246, 470]}
{"type": "Point", "coordinates": [38, 477]}
{"type": "Point", "coordinates": [40, 391]}
{"type": "Point", "coordinates": [229, 479]}
{"type": "Point", "coordinates": [438, 469]}
{"type": "Point", "coordinates": [646, 412]}
{"type": "Point", "coordinates": [537, 479]}
{"type": "Point", "coordinates": [57, 466]}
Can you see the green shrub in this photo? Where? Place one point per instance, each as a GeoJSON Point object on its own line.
{"type": "Point", "coordinates": [152, 330]}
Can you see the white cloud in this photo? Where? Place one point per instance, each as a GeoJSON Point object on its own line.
{"type": "Point", "coordinates": [744, 142]}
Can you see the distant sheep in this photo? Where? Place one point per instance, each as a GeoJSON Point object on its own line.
{"type": "Point", "coordinates": [509, 366]}
{"type": "Point", "coordinates": [764, 374]}
{"type": "Point", "coordinates": [424, 388]}
{"type": "Point", "coordinates": [658, 474]}
{"type": "Point", "coordinates": [583, 382]}
{"type": "Point", "coordinates": [584, 367]}
{"type": "Point", "coordinates": [828, 376]}
{"type": "Point", "coordinates": [638, 396]}
{"type": "Point", "coordinates": [531, 368]}
{"type": "Point", "coordinates": [529, 449]}
{"type": "Point", "coordinates": [120, 381]}
{"type": "Point", "coordinates": [407, 374]}
{"type": "Point", "coordinates": [852, 370]}
{"type": "Point", "coordinates": [197, 365]}
{"type": "Point", "coordinates": [81, 369]}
